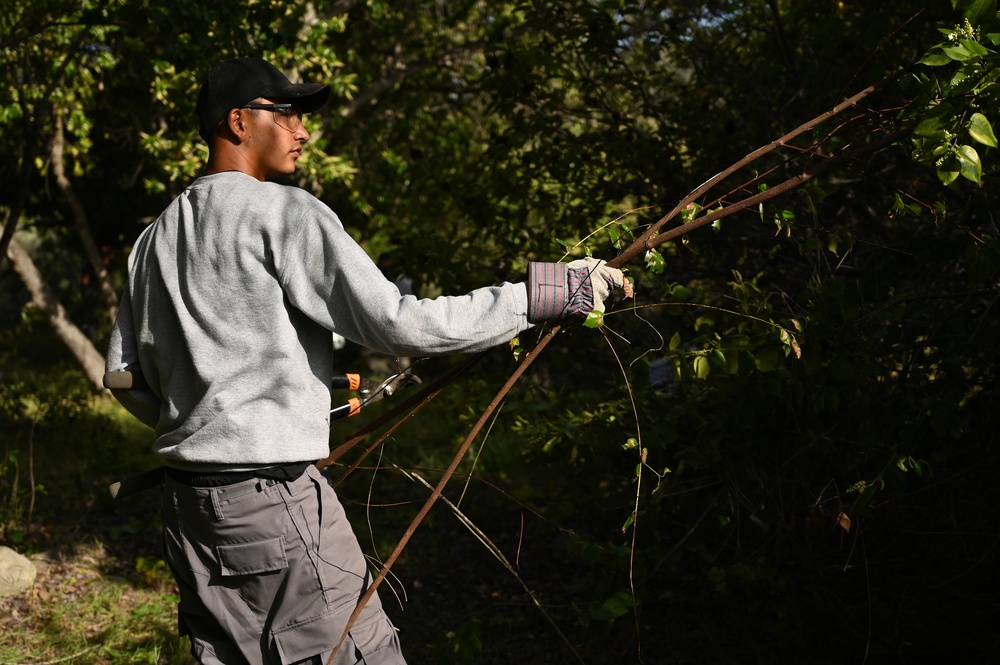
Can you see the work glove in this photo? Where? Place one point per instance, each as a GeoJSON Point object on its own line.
{"type": "Point", "coordinates": [565, 291]}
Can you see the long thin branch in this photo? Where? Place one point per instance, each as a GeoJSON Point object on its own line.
{"type": "Point", "coordinates": [498, 555]}
{"type": "Point", "coordinates": [772, 192]}
{"type": "Point", "coordinates": [648, 240]}
{"type": "Point", "coordinates": [403, 411]}
{"type": "Point", "coordinates": [527, 360]}
{"type": "Point", "coordinates": [642, 243]}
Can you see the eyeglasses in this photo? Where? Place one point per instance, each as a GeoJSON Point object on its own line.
{"type": "Point", "coordinates": [285, 116]}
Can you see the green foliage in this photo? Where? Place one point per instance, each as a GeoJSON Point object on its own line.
{"type": "Point", "coordinates": [798, 478]}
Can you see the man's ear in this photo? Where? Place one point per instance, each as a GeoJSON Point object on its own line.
{"type": "Point", "coordinates": [236, 123]}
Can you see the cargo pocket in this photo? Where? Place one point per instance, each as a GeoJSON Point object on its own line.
{"type": "Point", "coordinates": [255, 572]}
{"type": "Point", "coordinates": [263, 556]}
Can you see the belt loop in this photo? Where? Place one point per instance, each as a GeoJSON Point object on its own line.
{"type": "Point", "coordinates": [216, 507]}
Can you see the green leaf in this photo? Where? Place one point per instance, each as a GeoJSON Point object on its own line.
{"type": "Point", "coordinates": [690, 212]}
{"type": "Point", "coordinates": [718, 361]}
{"type": "Point", "coordinates": [675, 341]}
{"type": "Point", "coordinates": [971, 166]}
{"type": "Point", "coordinates": [935, 59]}
{"type": "Point", "coordinates": [703, 323]}
{"type": "Point", "coordinates": [594, 320]}
{"type": "Point", "coordinates": [702, 368]}
{"type": "Point", "coordinates": [981, 130]}
{"type": "Point", "coordinates": [628, 522]}
{"type": "Point", "coordinates": [977, 10]}
{"type": "Point", "coordinates": [933, 122]}
{"type": "Point", "coordinates": [949, 169]}
{"type": "Point", "coordinates": [974, 47]}
{"type": "Point", "coordinates": [614, 235]}
{"type": "Point", "coordinates": [959, 53]}
{"type": "Point", "coordinates": [655, 261]}
{"type": "Point", "coordinates": [680, 293]}
{"type": "Point", "coordinates": [766, 360]}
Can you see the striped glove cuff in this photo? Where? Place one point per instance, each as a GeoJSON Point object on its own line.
{"type": "Point", "coordinates": [557, 292]}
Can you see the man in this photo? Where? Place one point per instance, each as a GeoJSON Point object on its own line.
{"type": "Point", "coordinates": [232, 298]}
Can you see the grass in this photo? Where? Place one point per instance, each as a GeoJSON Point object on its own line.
{"type": "Point", "coordinates": [77, 612]}
{"type": "Point", "coordinates": [102, 594]}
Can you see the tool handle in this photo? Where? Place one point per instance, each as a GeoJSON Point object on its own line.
{"type": "Point", "coordinates": [125, 380]}
{"type": "Point", "coordinates": [352, 408]}
{"type": "Point", "coordinates": [346, 382]}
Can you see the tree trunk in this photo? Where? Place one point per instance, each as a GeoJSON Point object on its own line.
{"type": "Point", "coordinates": [42, 297]}
{"type": "Point", "coordinates": [80, 220]}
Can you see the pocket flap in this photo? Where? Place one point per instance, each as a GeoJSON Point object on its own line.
{"type": "Point", "coordinates": [262, 556]}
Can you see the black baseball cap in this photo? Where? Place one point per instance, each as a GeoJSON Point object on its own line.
{"type": "Point", "coordinates": [233, 83]}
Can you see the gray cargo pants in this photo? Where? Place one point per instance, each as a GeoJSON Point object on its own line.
{"type": "Point", "coordinates": [269, 573]}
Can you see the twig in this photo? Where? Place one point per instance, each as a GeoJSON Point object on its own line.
{"type": "Point", "coordinates": [643, 242]}
{"type": "Point", "coordinates": [414, 403]}
{"type": "Point", "coordinates": [31, 473]}
{"type": "Point", "coordinates": [449, 472]}
{"type": "Point", "coordinates": [497, 554]}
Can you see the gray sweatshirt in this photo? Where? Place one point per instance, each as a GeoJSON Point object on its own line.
{"type": "Point", "coordinates": [231, 299]}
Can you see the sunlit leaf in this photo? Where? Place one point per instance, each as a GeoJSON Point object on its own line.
{"type": "Point", "coordinates": [655, 261]}
{"type": "Point", "coordinates": [981, 130]}
{"type": "Point", "coordinates": [971, 166]}
{"type": "Point", "coordinates": [594, 320]}
{"type": "Point", "coordinates": [959, 53]}
{"type": "Point", "coordinates": [702, 368]}
{"type": "Point", "coordinates": [949, 169]}
{"type": "Point", "coordinates": [975, 47]}
{"type": "Point", "coordinates": [935, 59]}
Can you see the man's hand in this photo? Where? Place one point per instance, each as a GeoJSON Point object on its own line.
{"type": "Point", "coordinates": [561, 291]}
{"type": "Point", "coordinates": [609, 284]}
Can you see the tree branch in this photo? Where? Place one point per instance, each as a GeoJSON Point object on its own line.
{"type": "Point", "coordinates": [45, 300]}
{"type": "Point", "coordinates": [80, 219]}
{"type": "Point", "coordinates": [648, 240]}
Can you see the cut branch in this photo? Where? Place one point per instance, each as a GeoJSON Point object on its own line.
{"type": "Point", "coordinates": [769, 193]}
{"type": "Point", "coordinates": [641, 244]}
{"type": "Point", "coordinates": [646, 241]}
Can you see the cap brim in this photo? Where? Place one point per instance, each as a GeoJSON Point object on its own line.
{"type": "Point", "coordinates": [308, 97]}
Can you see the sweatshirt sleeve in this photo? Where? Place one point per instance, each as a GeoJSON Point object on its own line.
{"type": "Point", "coordinates": [330, 278]}
{"type": "Point", "coordinates": [123, 355]}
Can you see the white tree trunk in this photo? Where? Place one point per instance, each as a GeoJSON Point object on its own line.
{"type": "Point", "coordinates": [43, 298]}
